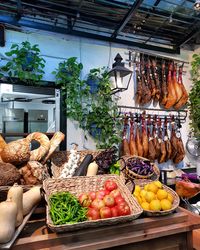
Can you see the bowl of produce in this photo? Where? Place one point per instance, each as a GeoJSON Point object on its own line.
{"type": "Point", "coordinates": [155, 198]}
{"type": "Point", "coordinates": [88, 201]}
{"type": "Point", "coordinates": [138, 167]}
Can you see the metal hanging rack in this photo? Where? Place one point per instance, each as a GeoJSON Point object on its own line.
{"type": "Point", "coordinates": [179, 115]}
{"type": "Point", "coordinates": [131, 57]}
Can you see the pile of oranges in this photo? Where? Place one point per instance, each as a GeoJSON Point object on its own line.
{"type": "Point", "coordinates": [153, 197]}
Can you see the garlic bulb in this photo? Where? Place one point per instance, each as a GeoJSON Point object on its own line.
{"type": "Point", "coordinates": [70, 167]}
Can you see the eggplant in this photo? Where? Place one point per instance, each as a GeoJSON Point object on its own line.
{"type": "Point", "coordinates": [82, 169]}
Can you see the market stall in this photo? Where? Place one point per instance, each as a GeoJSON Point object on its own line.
{"type": "Point", "coordinates": [99, 123]}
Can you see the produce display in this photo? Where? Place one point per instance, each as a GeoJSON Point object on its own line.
{"type": "Point", "coordinates": [154, 197]}
{"type": "Point", "coordinates": [149, 138]}
{"type": "Point", "coordinates": [140, 167]}
{"type": "Point", "coordinates": [105, 203]}
{"type": "Point", "coordinates": [105, 159]}
{"type": "Point", "coordinates": [70, 167]}
{"type": "Point", "coordinates": [14, 208]}
{"type": "Point", "coordinates": [25, 166]}
{"type": "Point", "coordinates": [187, 189]}
{"type": "Point", "coordinates": [65, 208]}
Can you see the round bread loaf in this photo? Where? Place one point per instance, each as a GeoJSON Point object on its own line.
{"type": "Point", "coordinates": [16, 152]}
{"type": "Point", "coordinates": [9, 174]}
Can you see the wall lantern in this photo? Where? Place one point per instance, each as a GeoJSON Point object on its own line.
{"type": "Point", "coordinates": [120, 75]}
{"type": "Point", "coordinates": [197, 5]}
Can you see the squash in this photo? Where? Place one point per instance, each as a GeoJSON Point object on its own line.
{"type": "Point", "coordinates": [30, 199]}
{"type": "Point", "coordinates": [92, 169]}
{"type": "Point", "coordinates": [8, 215]}
{"type": "Point", "coordinates": [15, 193]}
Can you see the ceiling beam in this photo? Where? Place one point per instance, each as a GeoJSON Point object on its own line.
{"type": "Point", "coordinates": [191, 35]}
{"type": "Point", "coordinates": [127, 17]}
{"type": "Point", "coordinates": [41, 26]}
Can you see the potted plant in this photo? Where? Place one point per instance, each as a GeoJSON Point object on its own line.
{"type": "Point", "coordinates": [25, 63]}
{"type": "Point", "coordinates": [194, 96]}
{"type": "Point", "coordinates": [74, 90]}
{"type": "Point", "coordinates": [93, 79]}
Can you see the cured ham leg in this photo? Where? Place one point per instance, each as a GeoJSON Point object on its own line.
{"type": "Point", "coordinates": [139, 86]}
{"type": "Point", "coordinates": [184, 98]}
{"type": "Point", "coordinates": [132, 143]}
{"type": "Point", "coordinates": [171, 97]}
{"type": "Point", "coordinates": [177, 86]}
{"type": "Point", "coordinates": [145, 141]}
{"type": "Point", "coordinates": [157, 82]}
{"type": "Point", "coordinates": [146, 92]}
{"type": "Point", "coordinates": [152, 151]}
{"type": "Point", "coordinates": [167, 142]}
{"type": "Point", "coordinates": [164, 91]}
{"type": "Point", "coordinates": [155, 139]}
{"type": "Point", "coordinates": [138, 141]}
{"type": "Point", "coordinates": [163, 152]}
{"type": "Point", "coordinates": [125, 145]}
{"type": "Point", "coordinates": [173, 140]}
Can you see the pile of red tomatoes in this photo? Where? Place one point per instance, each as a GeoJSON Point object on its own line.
{"type": "Point", "coordinates": [105, 203]}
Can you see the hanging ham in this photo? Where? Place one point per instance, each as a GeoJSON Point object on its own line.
{"type": "Point", "coordinates": [163, 152]}
{"type": "Point", "coordinates": [138, 141]}
{"type": "Point", "coordinates": [152, 151]}
{"type": "Point", "coordinates": [125, 145]}
{"type": "Point", "coordinates": [184, 98]}
{"type": "Point", "coordinates": [132, 143]}
{"type": "Point", "coordinates": [177, 86]}
{"type": "Point", "coordinates": [164, 91]}
{"type": "Point", "coordinates": [145, 141]}
{"type": "Point", "coordinates": [167, 142]}
{"type": "Point", "coordinates": [171, 97]}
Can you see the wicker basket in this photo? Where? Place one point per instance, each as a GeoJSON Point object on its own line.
{"type": "Point", "coordinates": [160, 213]}
{"type": "Point", "coordinates": [78, 185]}
{"type": "Point", "coordinates": [132, 175]}
{"type": "Point", "coordinates": [59, 158]}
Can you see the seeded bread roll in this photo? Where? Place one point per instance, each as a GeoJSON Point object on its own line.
{"type": "Point", "coordinates": [16, 152]}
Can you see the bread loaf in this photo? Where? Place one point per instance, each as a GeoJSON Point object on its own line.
{"type": "Point", "coordinates": [9, 174]}
{"type": "Point", "coordinates": [16, 152]}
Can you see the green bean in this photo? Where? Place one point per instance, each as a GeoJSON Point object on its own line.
{"type": "Point", "coordinates": [65, 208]}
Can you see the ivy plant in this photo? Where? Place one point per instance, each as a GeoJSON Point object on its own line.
{"type": "Point", "coordinates": [194, 96]}
{"type": "Point", "coordinates": [95, 112]}
{"type": "Point", "coordinates": [74, 90]}
{"type": "Point", "coordinates": [25, 63]}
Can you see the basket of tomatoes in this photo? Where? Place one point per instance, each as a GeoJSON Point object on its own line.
{"type": "Point", "coordinates": [88, 201]}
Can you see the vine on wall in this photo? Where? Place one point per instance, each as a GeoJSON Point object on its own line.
{"type": "Point", "coordinates": [96, 111]}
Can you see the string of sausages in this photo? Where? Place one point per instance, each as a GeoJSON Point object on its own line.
{"type": "Point", "coordinates": [152, 138]}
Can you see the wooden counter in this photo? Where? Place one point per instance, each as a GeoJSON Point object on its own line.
{"type": "Point", "coordinates": [167, 232]}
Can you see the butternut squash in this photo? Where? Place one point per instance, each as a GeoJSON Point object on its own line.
{"type": "Point", "coordinates": [92, 169]}
{"type": "Point", "coordinates": [8, 215]}
{"type": "Point", "coordinates": [31, 198]}
{"type": "Point", "coordinates": [15, 193]}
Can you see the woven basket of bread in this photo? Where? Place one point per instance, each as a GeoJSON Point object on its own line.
{"type": "Point", "coordinates": [175, 203]}
{"type": "Point", "coordinates": [129, 174]}
{"type": "Point", "coordinates": [84, 184]}
{"type": "Point", "coordinates": [59, 158]}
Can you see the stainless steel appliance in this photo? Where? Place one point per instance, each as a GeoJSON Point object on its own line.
{"type": "Point", "coordinates": [13, 123]}
{"type": "Point", "coordinates": [37, 121]}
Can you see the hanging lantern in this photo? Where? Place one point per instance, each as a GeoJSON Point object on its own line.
{"type": "Point", "coordinates": [197, 5]}
{"type": "Point", "coordinates": [120, 75]}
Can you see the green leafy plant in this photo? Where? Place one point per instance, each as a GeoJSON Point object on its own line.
{"type": "Point", "coordinates": [194, 96]}
{"type": "Point", "coordinates": [96, 111]}
{"type": "Point", "coordinates": [74, 90]}
{"type": "Point", "coordinates": [25, 63]}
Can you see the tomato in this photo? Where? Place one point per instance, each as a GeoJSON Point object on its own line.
{"type": "Point", "coordinates": [98, 204]}
{"type": "Point", "coordinates": [100, 194]}
{"type": "Point", "coordinates": [92, 195]}
{"type": "Point", "coordinates": [123, 209]}
{"type": "Point", "coordinates": [109, 201]}
{"type": "Point", "coordinates": [110, 185]}
{"type": "Point", "coordinates": [105, 212]}
{"type": "Point", "coordinates": [119, 199]}
{"type": "Point", "coordinates": [93, 214]}
{"type": "Point", "coordinates": [107, 192]}
{"type": "Point", "coordinates": [114, 211]}
{"type": "Point", "coordinates": [85, 200]}
{"type": "Point", "coordinates": [115, 193]}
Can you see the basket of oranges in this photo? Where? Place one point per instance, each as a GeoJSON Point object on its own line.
{"type": "Point", "coordinates": [155, 198]}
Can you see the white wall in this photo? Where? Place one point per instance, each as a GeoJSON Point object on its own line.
{"type": "Point", "coordinates": [92, 54]}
